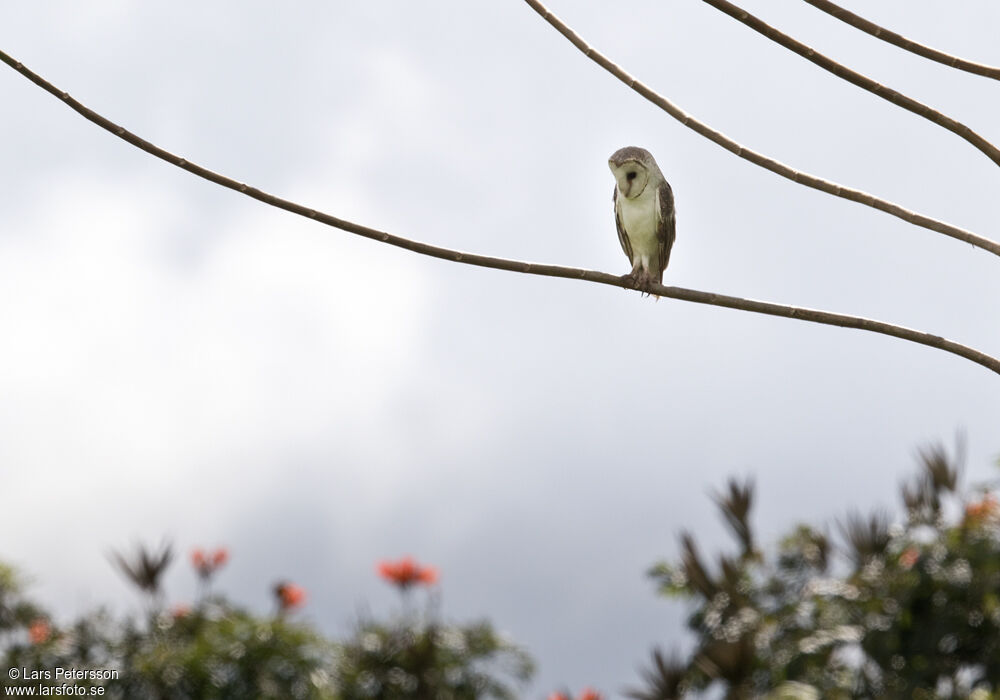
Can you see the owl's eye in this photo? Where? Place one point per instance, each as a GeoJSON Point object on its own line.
{"type": "Point", "coordinates": [630, 176]}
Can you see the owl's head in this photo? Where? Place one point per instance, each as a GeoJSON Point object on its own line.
{"type": "Point", "coordinates": [633, 168]}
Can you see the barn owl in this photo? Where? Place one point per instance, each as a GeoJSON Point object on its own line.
{"type": "Point", "coordinates": [644, 214]}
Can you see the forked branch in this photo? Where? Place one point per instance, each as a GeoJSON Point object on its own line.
{"type": "Point", "coordinates": [762, 307]}
{"type": "Point", "coordinates": [855, 78]}
{"type": "Point", "coordinates": [756, 158]}
{"type": "Point", "coordinates": [902, 42]}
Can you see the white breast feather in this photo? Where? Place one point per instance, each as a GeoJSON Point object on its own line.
{"type": "Point", "coordinates": [639, 220]}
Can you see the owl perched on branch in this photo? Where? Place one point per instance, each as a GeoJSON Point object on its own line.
{"type": "Point", "coordinates": [644, 214]}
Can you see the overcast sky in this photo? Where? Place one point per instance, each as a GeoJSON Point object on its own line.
{"type": "Point", "coordinates": [179, 361]}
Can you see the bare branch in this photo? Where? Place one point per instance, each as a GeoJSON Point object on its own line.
{"type": "Point", "coordinates": [902, 42]}
{"type": "Point", "coordinates": [855, 78]}
{"type": "Point", "coordinates": [758, 158]}
{"type": "Point", "coordinates": [761, 307]}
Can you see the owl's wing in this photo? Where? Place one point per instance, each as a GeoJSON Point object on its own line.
{"type": "Point", "coordinates": [666, 224]}
{"type": "Point", "coordinates": [622, 236]}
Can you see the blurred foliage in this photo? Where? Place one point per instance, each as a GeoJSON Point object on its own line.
{"type": "Point", "coordinates": [909, 609]}
{"type": "Point", "coordinates": [427, 660]}
{"type": "Point", "coordinates": [218, 650]}
{"type": "Point", "coordinates": [16, 612]}
{"type": "Point", "coordinates": [878, 606]}
{"type": "Point", "coordinates": [417, 656]}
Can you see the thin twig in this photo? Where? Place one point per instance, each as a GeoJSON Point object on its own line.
{"type": "Point", "coordinates": [855, 78]}
{"type": "Point", "coordinates": [761, 307]}
{"type": "Point", "coordinates": [902, 42]}
{"type": "Point", "coordinates": [756, 158]}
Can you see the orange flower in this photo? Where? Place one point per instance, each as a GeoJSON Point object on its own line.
{"type": "Point", "coordinates": [406, 572]}
{"type": "Point", "coordinates": [39, 631]}
{"type": "Point", "coordinates": [180, 611]}
{"type": "Point", "coordinates": [220, 557]}
{"type": "Point", "coordinates": [290, 595]}
{"type": "Point", "coordinates": [587, 694]}
{"type": "Point", "coordinates": [207, 564]}
{"type": "Point", "coordinates": [984, 509]}
{"type": "Point", "coordinates": [909, 557]}
{"type": "Point", "coordinates": [198, 560]}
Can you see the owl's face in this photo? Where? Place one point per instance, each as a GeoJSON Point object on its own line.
{"type": "Point", "coordinates": [631, 176]}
